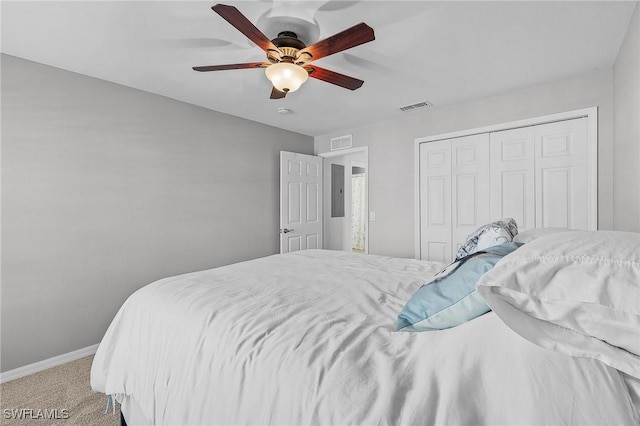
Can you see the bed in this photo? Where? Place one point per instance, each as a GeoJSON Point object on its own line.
{"type": "Point", "coordinates": [311, 337]}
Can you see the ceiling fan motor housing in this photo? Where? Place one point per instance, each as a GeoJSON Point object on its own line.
{"type": "Point", "coordinates": [289, 45]}
{"type": "Point", "coordinates": [289, 35]}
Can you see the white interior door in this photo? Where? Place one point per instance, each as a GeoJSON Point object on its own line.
{"type": "Point", "coordinates": [542, 172]}
{"type": "Point", "coordinates": [435, 201]}
{"type": "Point", "coordinates": [300, 202]}
{"type": "Point", "coordinates": [469, 186]}
{"type": "Point", "coordinates": [512, 176]}
{"type": "Point", "coordinates": [562, 175]}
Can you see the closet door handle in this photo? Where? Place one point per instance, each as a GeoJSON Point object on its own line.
{"type": "Point", "coordinates": [285, 230]}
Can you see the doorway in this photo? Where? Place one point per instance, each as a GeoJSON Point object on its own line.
{"type": "Point", "coordinates": [346, 200]}
{"type": "Point", "coordinates": [358, 207]}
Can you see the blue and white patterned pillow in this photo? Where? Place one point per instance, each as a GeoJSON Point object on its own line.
{"type": "Point", "coordinates": [494, 233]}
{"type": "Point", "coordinates": [451, 298]}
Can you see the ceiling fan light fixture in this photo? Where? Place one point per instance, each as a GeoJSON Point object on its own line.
{"type": "Point", "coordinates": [286, 77]}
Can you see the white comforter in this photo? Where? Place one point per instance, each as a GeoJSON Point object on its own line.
{"type": "Point", "coordinates": [308, 338]}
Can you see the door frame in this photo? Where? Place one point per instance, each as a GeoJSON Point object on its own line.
{"type": "Point", "coordinates": [592, 161]}
{"type": "Point", "coordinates": [344, 153]}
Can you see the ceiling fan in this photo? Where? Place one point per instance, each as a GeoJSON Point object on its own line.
{"type": "Point", "coordinates": [288, 67]}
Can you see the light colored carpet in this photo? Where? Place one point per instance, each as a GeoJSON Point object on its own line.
{"type": "Point", "coordinates": [50, 392]}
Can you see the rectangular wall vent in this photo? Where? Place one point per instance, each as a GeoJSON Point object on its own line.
{"type": "Point", "coordinates": [341, 142]}
{"type": "Point", "coordinates": [414, 107]}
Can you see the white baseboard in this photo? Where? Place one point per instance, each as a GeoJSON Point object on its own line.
{"type": "Point", "coordinates": [47, 363]}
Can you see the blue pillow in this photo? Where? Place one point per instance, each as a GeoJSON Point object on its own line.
{"type": "Point", "coordinates": [452, 299]}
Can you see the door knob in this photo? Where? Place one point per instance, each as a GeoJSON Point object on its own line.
{"type": "Point", "coordinates": [285, 230]}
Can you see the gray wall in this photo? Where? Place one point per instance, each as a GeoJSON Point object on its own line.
{"type": "Point", "coordinates": [391, 148]}
{"type": "Point", "coordinates": [106, 188]}
{"type": "Point", "coordinates": [626, 171]}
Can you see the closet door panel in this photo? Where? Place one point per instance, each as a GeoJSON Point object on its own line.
{"type": "Point", "coordinates": [561, 174]}
{"type": "Point", "coordinates": [470, 186]}
{"type": "Point", "coordinates": [512, 176]}
{"type": "Point", "coordinates": [435, 201]}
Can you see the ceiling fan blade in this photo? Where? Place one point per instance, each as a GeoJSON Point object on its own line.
{"type": "Point", "coordinates": [351, 37]}
{"type": "Point", "coordinates": [231, 66]}
{"type": "Point", "coordinates": [242, 24]}
{"type": "Point", "coordinates": [333, 77]}
{"type": "Point", "coordinates": [276, 94]}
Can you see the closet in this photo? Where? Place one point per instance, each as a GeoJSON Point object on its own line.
{"type": "Point", "coordinates": [540, 175]}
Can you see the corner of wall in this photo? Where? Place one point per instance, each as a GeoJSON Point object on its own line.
{"type": "Point", "coordinates": [626, 146]}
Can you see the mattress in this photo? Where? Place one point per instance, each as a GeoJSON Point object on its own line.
{"type": "Point", "coordinates": [309, 338]}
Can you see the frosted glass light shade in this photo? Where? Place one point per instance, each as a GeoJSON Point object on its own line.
{"type": "Point", "coordinates": [286, 77]}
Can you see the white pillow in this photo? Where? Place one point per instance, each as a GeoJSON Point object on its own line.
{"type": "Point", "coordinates": [576, 292]}
{"type": "Point", "coordinates": [529, 235]}
{"type": "Point", "coordinates": [494, 233]}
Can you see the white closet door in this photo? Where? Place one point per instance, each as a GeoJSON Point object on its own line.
{"type": "Point", "coordinates": [562, 175]}
{"type": "Point", "coordinates": [435, 201]}
{"type": "Point", "coordinates": [512, 176]}
{"type": "Point", "coordinates": [470, 186]}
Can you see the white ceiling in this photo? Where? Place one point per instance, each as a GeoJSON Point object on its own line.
{"type": "Point", "coordinates": [443, 52]}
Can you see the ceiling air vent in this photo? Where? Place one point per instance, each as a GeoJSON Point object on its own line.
{"type": "Point", "coordinates": [341, 142]}
{"type": "Point", "coordinates": [414, 107]}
